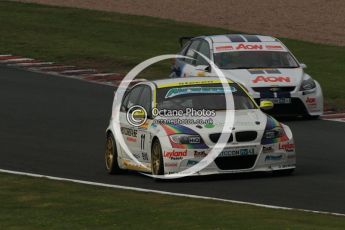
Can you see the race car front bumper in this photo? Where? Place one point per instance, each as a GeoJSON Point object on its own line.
{"type": "Point", "coordinates": [272, 157]}
{"type": "Point", "coordinates": [301, 102]}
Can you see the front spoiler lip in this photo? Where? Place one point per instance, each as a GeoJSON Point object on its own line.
{"type": "Point", "coordinates": [297, 94]}
{"type": "Point", "coordinates": [258, 165]}
{"type": "Point", "coordinates": [300, 112]}
{"type": "Point", "coordinates": [218, 171]}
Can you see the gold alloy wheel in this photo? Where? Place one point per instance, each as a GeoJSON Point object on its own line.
{"type": "Point", "coordinates": [156, 158]}
{"type": "Point", "coordinates": [109, 153]}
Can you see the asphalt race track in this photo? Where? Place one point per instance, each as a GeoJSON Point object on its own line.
{"type": "Point", "coordinates": [55, 126]}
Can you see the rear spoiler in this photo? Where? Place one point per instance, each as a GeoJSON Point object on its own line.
{"type": "Point", "coordinates": [183, 40]}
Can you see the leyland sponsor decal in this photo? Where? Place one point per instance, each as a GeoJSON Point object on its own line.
{"type": "Point", "coordinates": [175, 155]}
{"type": "Point", "coordinates": [270, 79]}
{"type": "Point", "coordinates": [288, 147]}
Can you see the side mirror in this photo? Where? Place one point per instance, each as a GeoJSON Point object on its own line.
{"type": "Point", "coordinates": [266, 105]}
{"type": "Point", "coordinates": [204, 68]}
{"type": "Point", "coordinates": [303, 66]}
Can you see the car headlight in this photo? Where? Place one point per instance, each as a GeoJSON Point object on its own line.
{"type": "Point", "coordinates": [274, 133]}
{"type": "Point", "coordinates": [186, 139]}
{"type": "Point", "coordinates": [308, 84]}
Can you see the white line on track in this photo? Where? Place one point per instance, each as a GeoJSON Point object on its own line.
{"type": "Point", "coordinates": [77, 71]}
{"type": "Point", "coordinates": [31, 64]}
{"type": "Point", "coordinates": [55, 67]}
{"type": "Point", "coordinates": [338, 117]}
{"type": "Point", "coordinates": [165, 193]}
{"type": "Point", "coordinates": [16, 60]}
{"type": "Point", "coordinates": [334, 115]}
{"type": "Point", "coordinates": [334, 119]}
{"type": "Point", "coordinates": [103, 74]}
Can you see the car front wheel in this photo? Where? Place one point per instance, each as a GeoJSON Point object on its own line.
{"type": "Point", "coordinates": [157, 158]}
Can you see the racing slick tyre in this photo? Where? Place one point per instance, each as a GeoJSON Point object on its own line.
{"type": "Point", "coordinates": [110, 156]}
{"type": "Point", "coordinates": [284, 172]}
{"type": "Point", "coordinates": [157, 158]}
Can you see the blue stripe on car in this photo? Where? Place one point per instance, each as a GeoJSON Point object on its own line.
{"type": "Point", "coordinates": [272, 71]}
{"type": "Point", "coordinates": [266, 94]}
{"type": "Point", "coordinates": [235, 38]}
{"type": "Point", "coordinates": [256, 71]}
{"type": "Point", "coordinates": [252, 38]}
{"type": "Point", "coordinates": [283, 94]}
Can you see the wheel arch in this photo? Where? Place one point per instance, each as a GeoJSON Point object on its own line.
{"type": "Point", "coordinates": [109, 132]}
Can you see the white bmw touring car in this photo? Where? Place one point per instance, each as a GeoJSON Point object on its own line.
{"type": "Point", "coordinates": [257, 142]}
{"type": "Point", "coordinates": [263, 64]}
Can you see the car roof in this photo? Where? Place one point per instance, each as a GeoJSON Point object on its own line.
{"type": "Point", "coordinates": [233, 38]}
{"type": "Point", "coordinates": [187, 81]}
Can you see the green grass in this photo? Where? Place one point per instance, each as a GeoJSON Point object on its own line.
{"type": "Point", "coordinates": [117, 42]}
{"type": "Point", "coordinates": [35, 203]}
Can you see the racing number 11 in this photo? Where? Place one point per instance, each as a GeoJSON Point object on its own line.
{"type": "Point", "coordinates": [142, 141]}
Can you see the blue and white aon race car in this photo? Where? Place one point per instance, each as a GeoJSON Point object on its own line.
{"type": "Point", "coordinates": [184, 121]}
{"type": "Point", "coordinates": [262, 64]}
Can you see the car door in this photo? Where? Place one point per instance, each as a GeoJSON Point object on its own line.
{"type": "Point", "coordinates": [129, 131]}
{"type": "Point", "coordinates": [143, 131]}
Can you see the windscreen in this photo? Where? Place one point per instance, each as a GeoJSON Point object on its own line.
{"type": "Point", "coordinates": [207, 96]}
{"type": "Point", "coordinates": [254, 59]}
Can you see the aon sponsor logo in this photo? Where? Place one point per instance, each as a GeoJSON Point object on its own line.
{"type": "Point", "coordinates": [249, 47]}
{"type": "Point", "coordinates": [271, 79]}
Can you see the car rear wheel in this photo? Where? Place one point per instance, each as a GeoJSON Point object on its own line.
{"type": "Point", "coordinates": [110, 156]}
{"type": "Point", "coordinates": [157, 158]}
